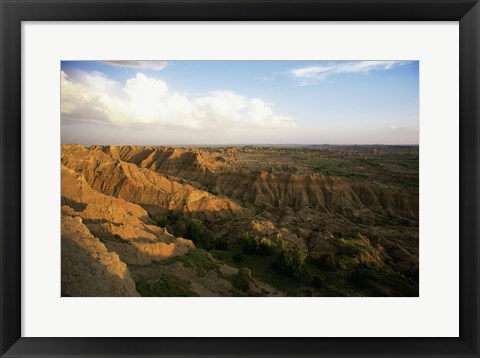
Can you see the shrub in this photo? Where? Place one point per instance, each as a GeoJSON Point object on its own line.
{"type": "Point", "coordinates": [164, 286]}
{"type": "Point", "coordinates": [267, 247]}
{"type": "Point", "coordinates": [199, 260]}
{"type": "Point", "coordinates": [191, 229]}
{"type": "Point", "coordinates": [240, 282]}
{"type": "Point", "coordinates": [253, 245]}
{"type": "Point", "coordinates": [173, 216]}
{"type": "Point", "coordinates": [250, 243]}
{"type": "Point", "coordinates": [195, 231]}
{"type": "Point", "coordinates": [290, 261]}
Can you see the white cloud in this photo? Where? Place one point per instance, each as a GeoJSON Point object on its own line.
{"type": "Point", "coordinates": [80, 100]}
{"type": "Point", "coordinates": [152, 65]}
{"type": "Point", "coordinates": [218, 108]}
{"type": "Point", "coordinates": [260, 114]}
{"type": "Point", "coordinates": [91, 96]}
{"type": "Point", "coordinates": [225, 108]}
{"type": "Point", "coordinates": [313, 74]}
{"type": "Point", "coordinates": [145, 100]}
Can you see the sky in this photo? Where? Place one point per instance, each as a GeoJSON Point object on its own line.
{"type": "Point", "coordinates": [239, 102]}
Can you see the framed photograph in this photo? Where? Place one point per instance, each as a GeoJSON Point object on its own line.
{"type": "Point", "coordinates": [239, 178]}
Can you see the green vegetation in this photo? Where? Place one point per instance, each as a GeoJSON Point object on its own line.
{"type": "Point", "coordinates": [355, 269]}
{"type": "Point", "coordinates": [286, 260]}
{"type": "Point", "coordinates": [165, 286]}
{"type": "Point", "coordinates": [192, 229]}
{"type": "Point", "coordinates": [275, 195]}
{"type": "Point", "coordinates": [198, 260]}
{"type": "Point", "coordinates": [254, 245]}
{"type": "Point", "coordinates": [270, 262]}
{"type": "Point", "coordinates": [290, 261]}
{"type": "Point", "coordinates": [351, 265]}
{"type": "Point", "coordinates": [350, 252]}
{"type": "Point", "coordinates": [333, 167]}
{"type": "Point", "coordinates": [240, 283]}
{"type": "Point", "coordinates": [263, 269]}
{"type": "Point", "coordinates": [396, 167]}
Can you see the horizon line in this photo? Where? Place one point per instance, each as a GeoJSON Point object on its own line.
{"type": "Point", "coordinates": [245, 144]}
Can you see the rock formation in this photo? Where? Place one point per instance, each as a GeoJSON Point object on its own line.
{"type": "Point", "coordinates": [88, 268]}
{"type": "Point", "coordinates": [138, 219]}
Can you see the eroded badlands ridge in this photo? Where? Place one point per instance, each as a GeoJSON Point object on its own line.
{"type": "Point", "coordinates": [246, 220]}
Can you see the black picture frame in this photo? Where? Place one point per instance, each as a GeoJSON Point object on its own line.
{"type": "Point", "coordinates": [13, 12]}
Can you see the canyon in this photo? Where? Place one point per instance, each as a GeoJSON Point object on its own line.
{"type": "Point", "coordinates": [239, 220]}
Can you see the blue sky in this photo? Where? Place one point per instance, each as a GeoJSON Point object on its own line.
{"type": "Point", "coordinates": [240, 102]}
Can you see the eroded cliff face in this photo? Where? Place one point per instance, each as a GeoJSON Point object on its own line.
{"type": "Point", "coordinates": [124, 227]}
{"type": "Point", "coordinates": [138, 185]}
{"type": "Point", "coordinates": [261, 188]}
{"type": "Point", "coordinates": [88, 267]}
{"type": "Point", "coordinates": [120, 201]}
{"type": "Point", "coordinates": [103, 233]}
{"type": "Point", "coordinates": [337, 195]}
{"type": "Point", "coordinates": [173, 161]}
